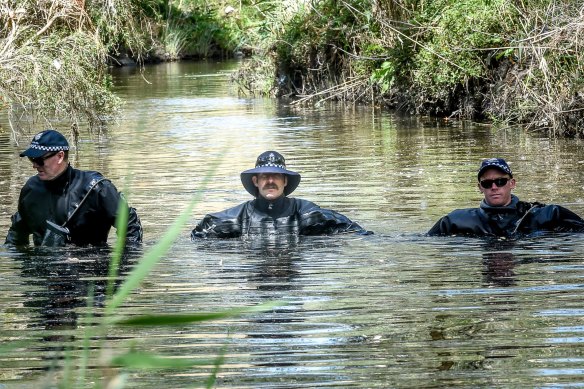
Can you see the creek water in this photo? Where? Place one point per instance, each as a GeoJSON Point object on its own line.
{"type": "Point", "coordinates": [393, 309]}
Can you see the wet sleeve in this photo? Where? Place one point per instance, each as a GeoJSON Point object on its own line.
{"type": "Point", "coordinates": [224, 224]}
{"type": "Point", "coordinates": [18, 233]}
{"type": "Point", "coordinates": [565, 220]}
{"type": "Point", "coordinates": [134, 232]}
{"type": "Point", "coordinates": [217, 226]}
{"type": "Point", "coordinates": [442, 227]}
{"type": "Point", "coordinates": [319, 221]}
{"type": "Point", "coordinates": [204, 229]}
{"type": "Point", "coordinates": [109, 200]}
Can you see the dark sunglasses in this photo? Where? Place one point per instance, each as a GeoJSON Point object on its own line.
{"type": "Point", "coordinates": [488, 184]}
{"type": "Point", "coordinates": [40, 161]}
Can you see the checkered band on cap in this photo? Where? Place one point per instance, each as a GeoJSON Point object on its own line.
{"type": "Point", "coordinates": [36, 146]}
{"type": "Point", "coordinates": [48, 137]}
{"type": "Point", "coordinates": [45, 142]}
{"type": "Point", "coordinates": [271, 160]}
{"type": "Point", "coordinates": [497, 163]}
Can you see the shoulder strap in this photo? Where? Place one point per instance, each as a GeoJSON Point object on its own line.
{"type": "Point", "coordinates": [526, 207]}
{"type": "Point", "coordinates": [90, 186]}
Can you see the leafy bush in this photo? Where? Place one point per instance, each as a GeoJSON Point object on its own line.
{"type": "Point", "coordinates": [53, 59]}
{"type": "Point", "coordinates": [513, 62]}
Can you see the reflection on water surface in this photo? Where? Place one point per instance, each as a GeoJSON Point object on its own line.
{"type": "Point", "coordinates": [395, 309]}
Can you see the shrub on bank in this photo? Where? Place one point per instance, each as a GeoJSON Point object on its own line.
{"type": "Point", "coordinates": [516, 63]}
{"type": "Point", "coordinates": [53, 59]}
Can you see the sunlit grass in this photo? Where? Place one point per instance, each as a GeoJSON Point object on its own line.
{"type": "Point", "coordinates": [174, 40]}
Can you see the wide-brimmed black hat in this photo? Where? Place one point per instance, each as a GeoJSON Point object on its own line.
{"type": "Point", "coordinates": [494, 163]}
{"type": "Point", "coordinates": [270, 162]}
{"type": "Point", "coordinates": [45, 142]}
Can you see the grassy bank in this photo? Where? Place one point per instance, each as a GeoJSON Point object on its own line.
{"type": "Point", "coordinates": [514, 63]}
{"type": "Point", "coordinates": [53, 60]}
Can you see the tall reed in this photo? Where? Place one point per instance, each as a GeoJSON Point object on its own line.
{"type": "Point", "coordinates": [110, 368]}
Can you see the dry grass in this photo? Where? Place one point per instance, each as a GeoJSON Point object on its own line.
{"type": "Point", "coordinates": [543, 88]}
{"type": "Point", "coordinates": [518, 63]}
{"type": "Point", "coordinates": [53, 61]}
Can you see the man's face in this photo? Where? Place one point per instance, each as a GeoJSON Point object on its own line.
{"type": "Point", "coordinates": [270, 185]}
{"type": "Point", "coordinates": [496, 196]}
{"type": "Point", "coordinates": [50, 165]}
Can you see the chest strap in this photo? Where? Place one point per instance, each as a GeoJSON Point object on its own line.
{"type": "Point", "coordinates": [92, 184]}
{"type": "Point", "coordinates": [531, 206]}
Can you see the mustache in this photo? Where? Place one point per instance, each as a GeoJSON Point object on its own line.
{"type": "Point", "coordinates": [270, 186]}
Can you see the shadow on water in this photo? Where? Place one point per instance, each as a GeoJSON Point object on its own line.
{"type": "Point", "coordinates": [499, 268]}
{"type": "Point", "coordinates": [272, 269]}
{"type": "Point", "coordinates": [497, 324]}
{"type": "Point", "coordinates": [56, 284]}
{"type": "Point", "coordinates": [275, 273]}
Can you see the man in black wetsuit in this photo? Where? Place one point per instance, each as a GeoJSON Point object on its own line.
{"type": "Point", "coordinates": [62, 205]}
{"type": "Point", "coordinates": [501, 213]}
{"type": "Point", "coordinates": [272, 212]}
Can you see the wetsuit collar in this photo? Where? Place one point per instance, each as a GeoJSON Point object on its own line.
{"type": "Point", "coordinates": [272, 208]}
{"type": "Point", "coordinates": [59, 183]}
{"type": "Point", "coordinates": [511, 207]}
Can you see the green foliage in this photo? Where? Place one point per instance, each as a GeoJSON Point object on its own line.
{"type": "Point", "coordinates": [122, 216]}
{"type": "Point", "coordinates": [119, 24]}
{"type": "Point", "coordinates": [174, 319]}
{"type": "Point", "coordinates": [458, 38]}
{"type": "Point", "coordinates": [150, 259]}
{"type": "Point", "coordinates": [196, 28]}
{"type": "Point", "coordinates": [321, 43]}
{"type": "Point", "coordinates": [328, 24]}
{"type": "Point", "coordinates": [471, 58]}
{"type": "Point", "coordinates": [175, 40]}
{"type": "Point", "coordinates": [191, 32]}
{"type": "Point", "coordinates": [53, 59]}
{"type": "Point", "coordinates": [135, 360]}
{"type": "Point", "coordinates": [256, 77]}
{"type": "Point", "coordinates": [430, 56]}
{"type": "Point", "coordinates": [259, 21]}
{"type": "Point", "coordinates": [384, 76]}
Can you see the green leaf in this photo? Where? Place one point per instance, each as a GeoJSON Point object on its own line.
{"type": "Point", "coordinates": [148, 361]}
{"type": "Point", "coordinates": [218, 363]}
{"type": "Point", "coordinates": [150, 259]}
{"type": "Point", "coordinates": [175, 319]}
{"type": "Point", "coordinates": [156, 253]}
{"type": "Point", "coordinates": [121, 232]}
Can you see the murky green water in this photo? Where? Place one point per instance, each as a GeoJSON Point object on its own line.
{"type": "Point", "coordinates": [395, 309]}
